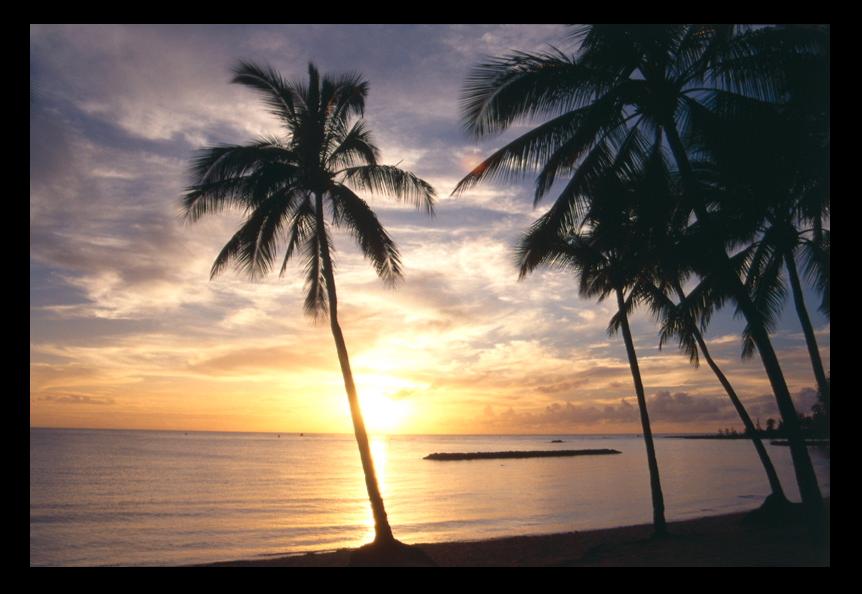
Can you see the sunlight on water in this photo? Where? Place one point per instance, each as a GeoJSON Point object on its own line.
{"type": "Point", "coordinates": [378, 455]}
{"type": "Point", "coordinates": [379, 452]}
{"type": "Point", "coordinates": [168, 498]}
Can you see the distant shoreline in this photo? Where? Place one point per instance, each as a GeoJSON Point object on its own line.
{"type": "Point", "coordinates": [723, 541]}
{"type": "Point", "coordinates": [774, 440]}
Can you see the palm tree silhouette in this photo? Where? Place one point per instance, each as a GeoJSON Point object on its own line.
{"type": "Point", "coordinates": [607, 259]}
{"type": "Point", "coordinates": [779, 246]}
{"type": "Point", "coordinates": [691, 341]}
{"type": "Point", "coordinates": [626, 87]}
{"type": "Point", "coordinates": [285, 187]}
{"type": "Point", "coordinates": [779, 161]}
{"type": "Point", "coordinates": [669, 248]}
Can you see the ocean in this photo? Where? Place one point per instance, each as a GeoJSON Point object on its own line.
{"type": "Point", "coordinates": [114, 497]}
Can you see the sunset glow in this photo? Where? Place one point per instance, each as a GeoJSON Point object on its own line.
{"type": "Point", "coordinates": [430, 296]}
{"type": "Point", "coordinates": [383, 414]}
{"type": "Point", "coordinates": [128, 331]}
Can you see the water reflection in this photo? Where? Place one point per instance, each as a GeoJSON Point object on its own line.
{"type": "Point", "coordinates": [149, 498]}
{"type": "Point", "coordinates": [379, 452]}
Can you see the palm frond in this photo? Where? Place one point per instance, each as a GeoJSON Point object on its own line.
{"type": "Point", "coordinates": [754, 63]}
{"type": "Point", "coordinates": [214, 197]}
{"type": "Point", "coordinates": [244, 191]}
{"type": "Point", "coordinates": [316, 298]}
{"type": "Point", "coordinates": [353, 213]}
{"type": "Point", "coordinates": [391, 181]}
{"type": "Point", "coordinates": [232, 160]}
{"type": "Point", "coordinates": [525, 85]}
{"type": "Point", "coordinates": [560, 141]}
{"type": "Point", "coordinates": [252, 248]}
{"type": "Point", "coordinates": [815, 260]}
{"type": "Point", "coordinates": [277, 92]}
{"type": "Point", "coordinates": [674, 321]}
{"type": "Point", "coordinates": [611, 137]}
{"type": "Point", "coordinates": [344, 96]}
{"type": "Point", "coordinates": [766, 286]}
{"type": "Point", "coordinates": [301, 226]}
{"type": "Point", "coordinates": [353, 148]}
{"type": "Point", "coordinates": [543, 242]}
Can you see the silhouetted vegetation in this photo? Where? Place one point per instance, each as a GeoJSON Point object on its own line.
{"type": "Point", "coordinates": [813, 426]}
{"type": "Point", "coordinates": [693, 154]}
{"type": "Point", "coordinates": [288, 188]}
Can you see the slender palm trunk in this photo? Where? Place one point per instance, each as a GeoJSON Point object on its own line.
{"type": "Point", "coordinates": [804, 470]}
{"type": "Point", "coordinates": [659, 524]}
{"type": "Point", "coordinates": [808, 330]}
{"type": "Point", "coordinates": [382, 530]}
{"type": "Point", "coordinates": [774, 483]}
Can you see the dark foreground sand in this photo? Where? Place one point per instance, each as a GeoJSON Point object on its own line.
{"type": "Point", "coordinates": [712, 541]}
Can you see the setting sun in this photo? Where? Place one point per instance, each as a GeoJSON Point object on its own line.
{"type": "Point", "coordinates": [383, 414]}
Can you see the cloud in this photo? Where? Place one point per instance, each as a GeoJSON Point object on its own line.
{"type": "Point", "coordinates": [682, 407]}
{"type": "Point", "coordinates": [76, 399]}
{"type": "Point", "coordinates": [665, 409]}
{"type": "Point", "coordinates": [121, 302]}
{"type": "Point", "coordinates": [248, 360]}
{"type": "Point", "coordinates": [566, 415]}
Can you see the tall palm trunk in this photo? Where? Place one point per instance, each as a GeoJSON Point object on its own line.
{"type": "Point", "coordinates": [774, 483]}
{"type": "Point", "coordinates": [382, 530]}
{"type": "Point", "coordinates": [804, 470]}
{"type": "Point", "coordinates": [659, 524]}
{"type": "Point", "coordinates": [808, 330]}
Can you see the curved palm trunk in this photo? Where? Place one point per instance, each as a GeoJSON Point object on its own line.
{"type": "Point", "coordinates": [659, 524]}
{"type": "Point", "coordinates": [382, 530]}
{"type": "Point", "coordinates": [808, 330]}
{"type": "Point", "coordinates": [774, 483]}
{"type": "Point", "coordinates": [804, 470]}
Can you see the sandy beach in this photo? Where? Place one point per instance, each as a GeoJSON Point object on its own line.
{"type": "Point", "coordinates": [710, 541]}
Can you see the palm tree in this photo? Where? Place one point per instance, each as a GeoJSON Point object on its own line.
{"type": "Point", "coordinates": [691, 341]}
{"type": "Point", "coordinates": [779, 160]}
{"type": "Point", "coordinates": [285, 186]}
{"type": "Point", "coordinates": [778, 247]}
{"type": "Point", "coordinates": [626, 86]}
{"type": "Point", "coordinates": [606, 261]}
{"type": "Point", "coordinates": [671, 248]}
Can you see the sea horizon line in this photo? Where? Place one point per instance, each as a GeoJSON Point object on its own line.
{"type": "Point", "coordinates": [350, 434]}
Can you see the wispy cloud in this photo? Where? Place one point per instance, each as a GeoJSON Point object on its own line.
{"type": "Point", "coordinates": [76, 399]}
{"type": "Point", "coordinates": [123, 311]}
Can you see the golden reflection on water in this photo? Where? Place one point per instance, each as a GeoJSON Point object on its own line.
{"type": "Point", "coordinates": [379, 451]}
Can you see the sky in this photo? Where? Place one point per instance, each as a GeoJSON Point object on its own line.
{"type": "Point", "coordinates": [128, 331]}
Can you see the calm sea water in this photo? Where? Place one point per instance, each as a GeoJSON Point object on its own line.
{"type": "Point", "coordinates": [170, 498]}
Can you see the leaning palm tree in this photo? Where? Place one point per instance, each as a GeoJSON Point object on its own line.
{"type": "Point", "coordinates": [779, 247]}
{"type": "Point", "coordinates": [780, 161]}
{"type": "Point", "coordinates": [292, 189]}
{"type": "Point", "coordinates": [672, 249]}
{"type": "Point", "coordinates": [606, 264]}
{"type": "Point", "coordinates": [692, 342]}
{"type": "Point", "coordinates": [627, 85]}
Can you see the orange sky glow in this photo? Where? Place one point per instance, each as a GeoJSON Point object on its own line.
{"type": "Point", "coordinates": [127, 330]}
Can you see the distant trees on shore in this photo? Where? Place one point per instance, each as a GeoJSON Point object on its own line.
{"type": "Point", "coordinates": [812, 426]}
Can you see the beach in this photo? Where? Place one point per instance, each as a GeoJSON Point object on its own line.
{"type": "Point", "coordinates": [717, 541]}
